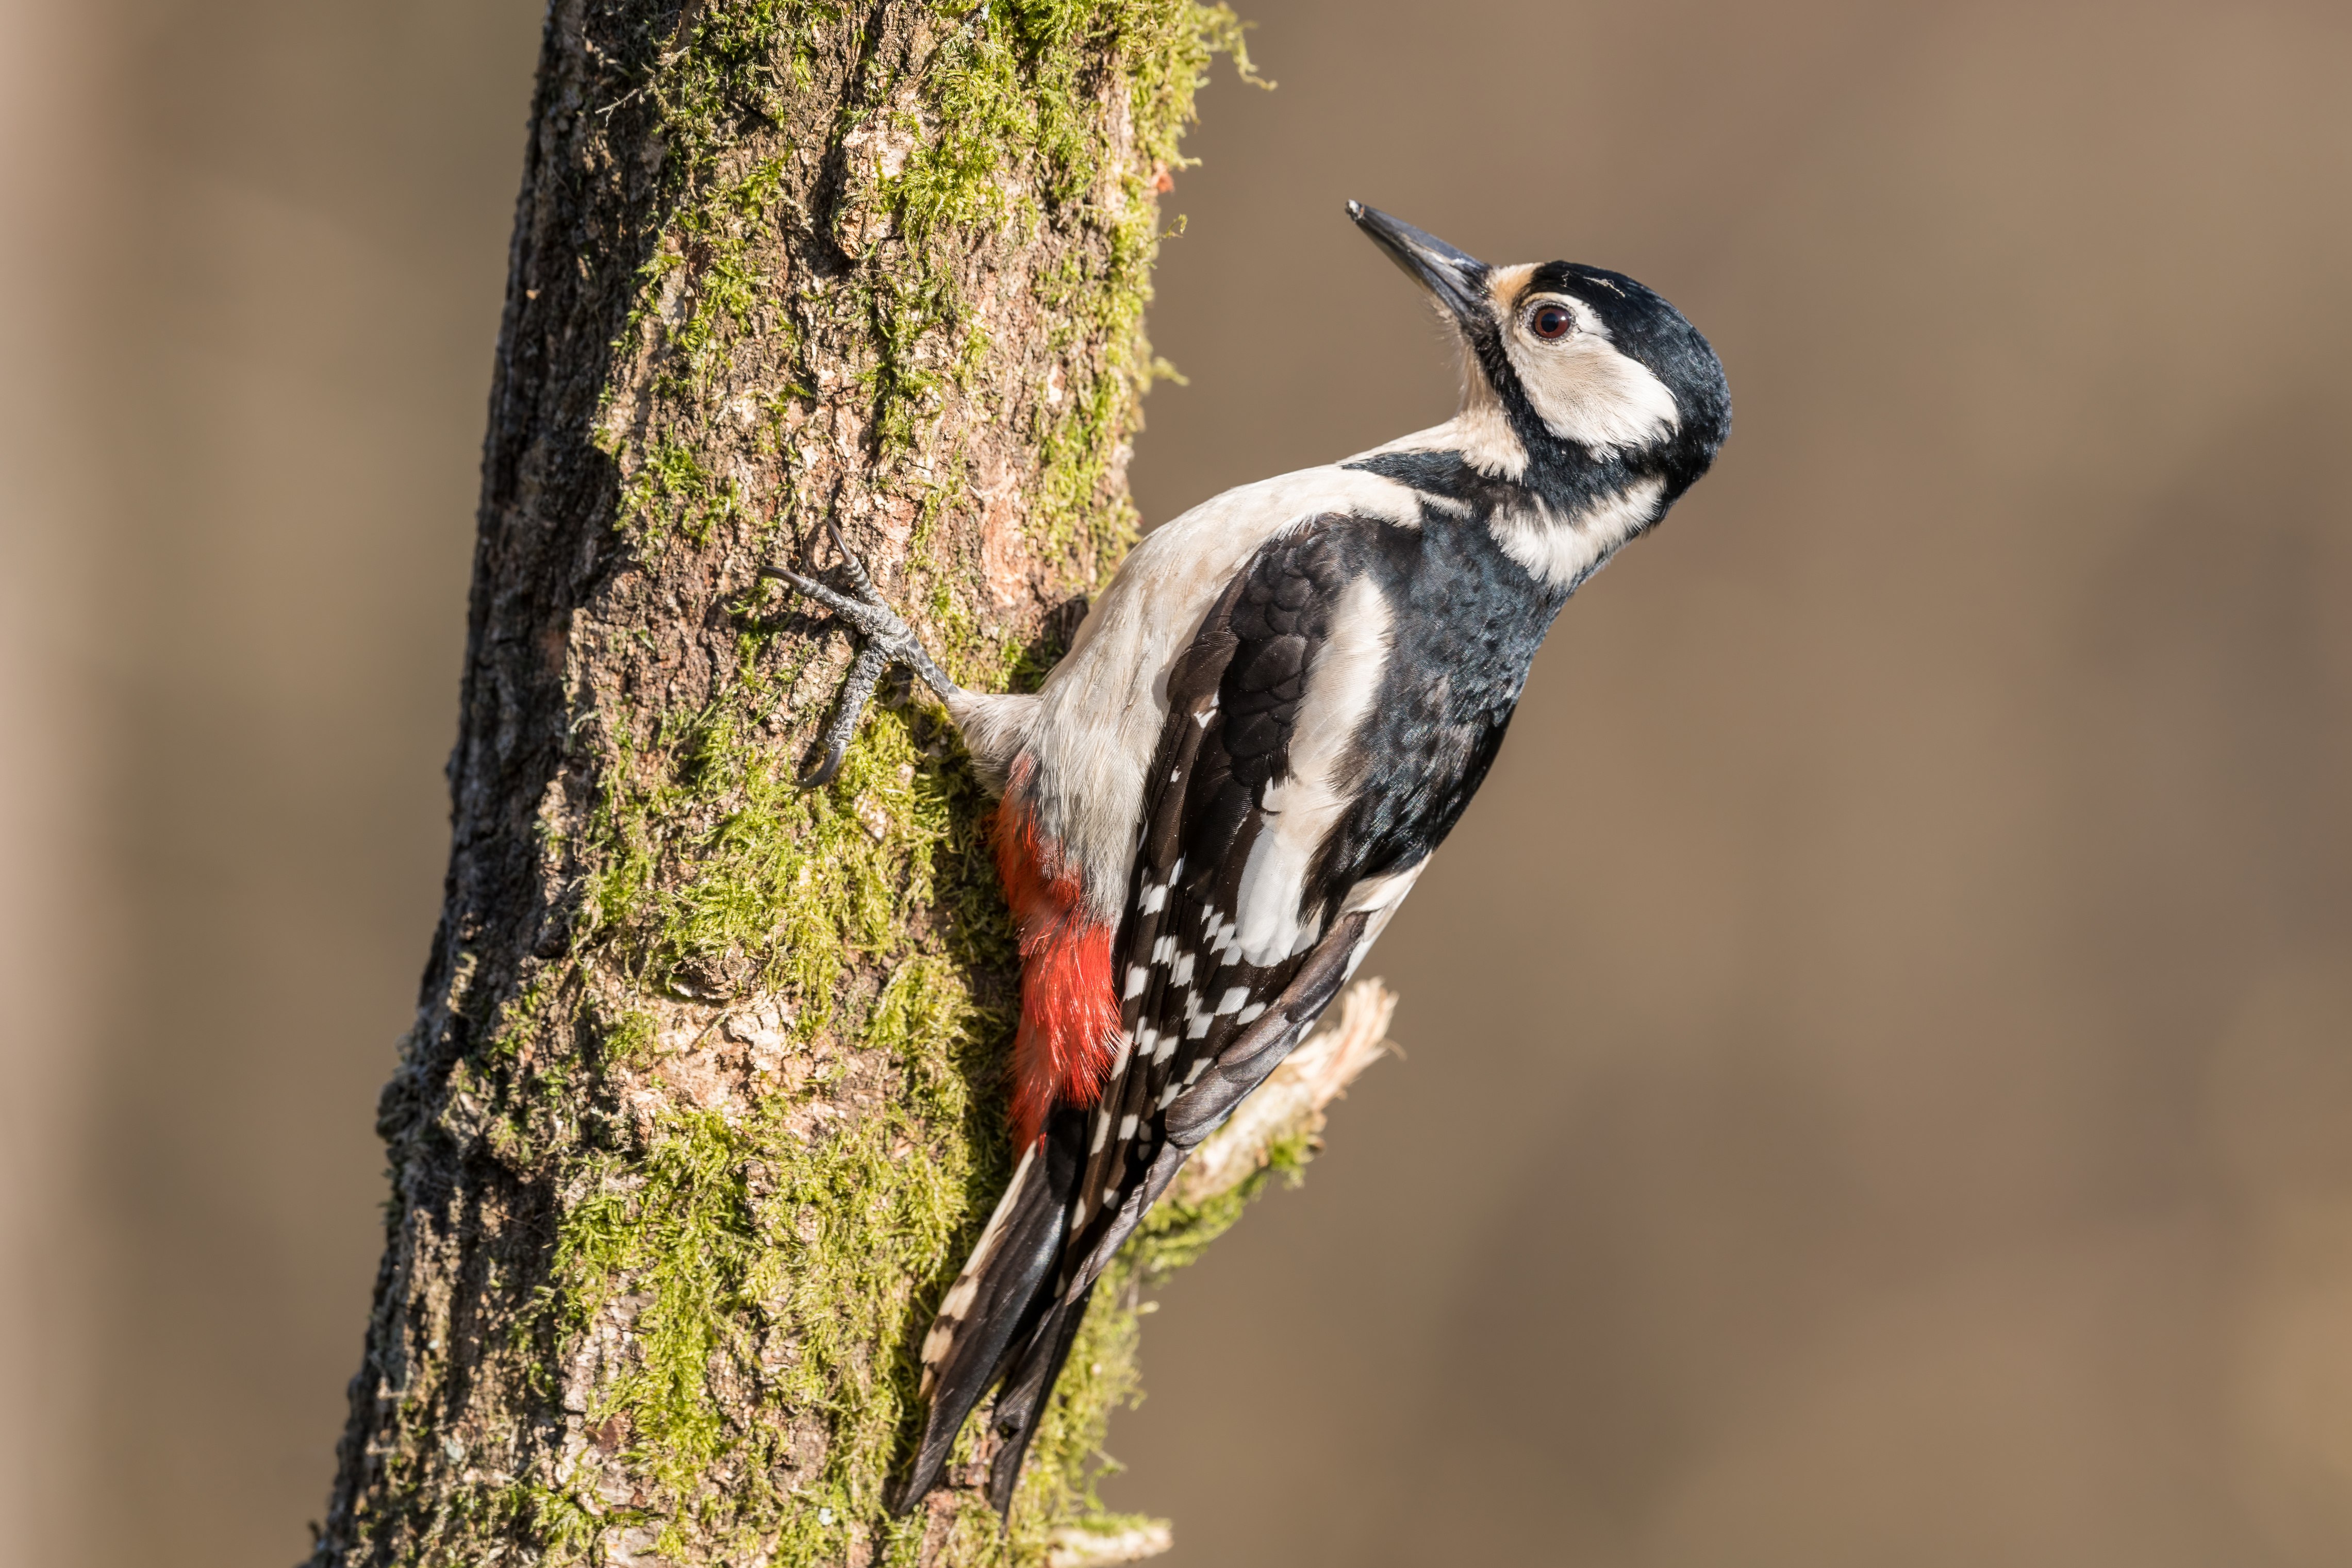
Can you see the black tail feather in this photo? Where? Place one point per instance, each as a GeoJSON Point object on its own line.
{"type": "Point", "coordinates": [993, 1312]}
{"type": "Point", "coordinates": [1027, 1388]}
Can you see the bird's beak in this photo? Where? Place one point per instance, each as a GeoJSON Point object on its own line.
{"type": "Point", "coordinates": [1458, 280]}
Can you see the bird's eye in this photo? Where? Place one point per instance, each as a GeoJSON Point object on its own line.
{"type": "Point", "coordinates": [1550, 321]}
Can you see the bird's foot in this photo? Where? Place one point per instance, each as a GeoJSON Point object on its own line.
{"type": "Point", "coordinates": [888, 640]}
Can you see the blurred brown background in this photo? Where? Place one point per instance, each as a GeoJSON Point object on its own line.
{"type": "Point", "coordinates": [1881, 1074]}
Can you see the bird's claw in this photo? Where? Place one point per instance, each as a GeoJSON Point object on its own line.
{"type": "Point", "coordinates": [824, 758]}
{"type": "Point", "coordinates": [852, 563]}
{"type": "Point", "coordinates": [888, 640]}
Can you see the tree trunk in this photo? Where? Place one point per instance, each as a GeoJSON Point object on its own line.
{"type": "Point", "coordinates": [701, 1107]}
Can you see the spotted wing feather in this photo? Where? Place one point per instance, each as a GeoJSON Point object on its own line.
{"type": "Point", "coordinates": [1189, 994]}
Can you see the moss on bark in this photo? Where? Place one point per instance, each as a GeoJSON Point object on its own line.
{"type": "Point", "coordinates": [703, 1105]}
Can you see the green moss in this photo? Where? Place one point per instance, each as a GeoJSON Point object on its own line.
{"type": "Point", "coordinates": [716, 862]}
{"type": "Point", "coordinates": [628, 1039]}
{"type": "Point", "coordinates": [671, 493]}
{"type": "Point", "coordinates": [762, 1260]}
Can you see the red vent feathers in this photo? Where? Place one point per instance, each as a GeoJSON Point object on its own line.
{"type": "Point", "coordinates": [1069, 1014]}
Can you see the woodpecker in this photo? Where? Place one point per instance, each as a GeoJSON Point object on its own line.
{"type": "Point", "coordinates": [1273, 714]}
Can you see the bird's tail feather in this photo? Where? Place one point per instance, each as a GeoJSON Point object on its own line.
{"type": "Point", "coordinates": [990, 1315]}
{"type": "Point", "coordinates": [1027, 1386]}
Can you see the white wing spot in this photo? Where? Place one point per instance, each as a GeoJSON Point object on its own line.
{"type": "Point", "coordinates": [1182, 973]}
{"type": "Point", "coordinates": [1102, 1131]}
{"type": "Point", "coordinates": [1155, 896]}
{"type": "Point", "coordinates": [1231, 1002]}
{"type": "Point", "coordinates": [1220, 932]}
{"type": "Point", "coordinates": [1126, 1128]}
{"type": "Point", "coordinates": [1196, 1022]}
{"type": "Point", "coordinates": [1251, 1013]}
{"type": "Point", "coordinates": [1136, 976]}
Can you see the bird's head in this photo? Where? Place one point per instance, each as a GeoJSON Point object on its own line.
{"type": "Point", "coordinates": [1569, 366]}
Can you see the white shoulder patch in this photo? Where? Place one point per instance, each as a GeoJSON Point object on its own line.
{"type": "Point", "coordinates": [1302, 808]}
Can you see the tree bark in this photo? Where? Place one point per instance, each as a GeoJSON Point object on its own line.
{"type": "Point", "coordinates": [702, 1103]}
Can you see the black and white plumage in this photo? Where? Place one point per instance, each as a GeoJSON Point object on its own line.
{"type": "Point", "coordinates": [1273, 715]}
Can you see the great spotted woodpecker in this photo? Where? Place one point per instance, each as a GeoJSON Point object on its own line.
{"type": "Point", "coordinates": [1275, 711]}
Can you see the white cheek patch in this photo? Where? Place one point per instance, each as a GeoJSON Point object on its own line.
{"type": "Point", "coordinates": [1583, 389]}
